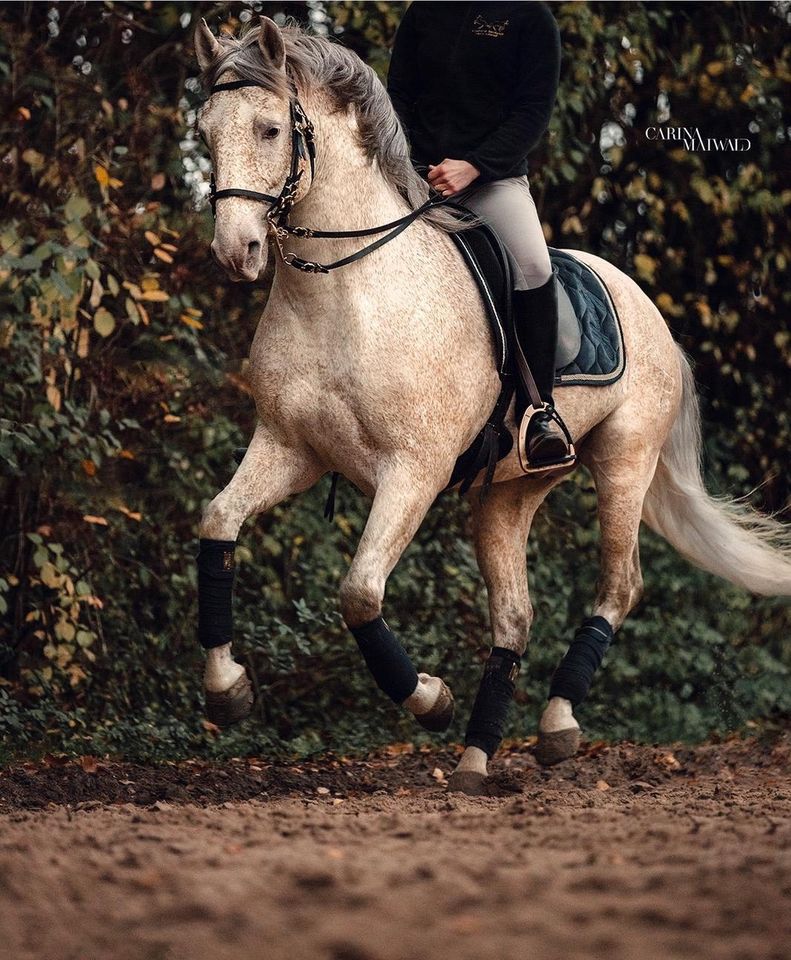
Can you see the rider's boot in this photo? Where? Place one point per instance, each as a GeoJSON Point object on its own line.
{"type": "Point", "coordinates": [544, 443]}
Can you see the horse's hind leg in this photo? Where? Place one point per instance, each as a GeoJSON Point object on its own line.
{"type": "Point", "coordinates": [622, 469]}
{"type": "Point", "coordinates": [268, 474]}
{"type": "Point", "coordinates": [501, 525]}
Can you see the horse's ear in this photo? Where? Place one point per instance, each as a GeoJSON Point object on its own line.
{"type": "Point", "coordinates": [270, 42]}
{"type": "Point", "coordinates": [207, 47]}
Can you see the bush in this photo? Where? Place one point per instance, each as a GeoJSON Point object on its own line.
{"type": "Point", "coordinates": [124, 395]}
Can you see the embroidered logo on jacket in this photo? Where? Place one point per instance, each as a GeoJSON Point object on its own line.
{"type": "Point", "coordinates": [486, 28]}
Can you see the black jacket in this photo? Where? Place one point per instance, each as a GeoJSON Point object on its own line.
{"type": "Point", "coordinates": [475, 82]}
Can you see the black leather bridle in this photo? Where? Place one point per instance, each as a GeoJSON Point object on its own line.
{"type": "Point", "coordinates": [303, 145]}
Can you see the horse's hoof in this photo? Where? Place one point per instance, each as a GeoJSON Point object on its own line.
{"type": "Point", "coordinates": [467, 781]}
{"type": "Point", "coordinates": [439, 717]}
{"type": "Point", "coordinates": [231, 705]}
{"type": "Point", "coordinates": [557, 745]}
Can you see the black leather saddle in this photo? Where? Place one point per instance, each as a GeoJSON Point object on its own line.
{"type": "Point", "coordinates": [590, 349]}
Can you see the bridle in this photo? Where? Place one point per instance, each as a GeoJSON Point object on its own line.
{"type": "Point", "coordinates": [303, 145]}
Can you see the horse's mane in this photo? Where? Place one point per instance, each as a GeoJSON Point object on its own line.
{"type": "Point", "coordinates": [321, 63]}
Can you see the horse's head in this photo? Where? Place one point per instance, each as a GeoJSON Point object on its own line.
{"type": "Point", "coordinates": [248, 133]}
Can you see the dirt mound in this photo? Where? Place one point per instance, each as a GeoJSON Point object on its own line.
{"type": "Point", "coordinates": [626, 852]}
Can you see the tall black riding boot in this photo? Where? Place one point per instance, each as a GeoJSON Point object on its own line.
{"type": "Point", "coordinates": [546, 444]}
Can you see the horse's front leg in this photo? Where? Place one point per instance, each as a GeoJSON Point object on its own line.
{"type": "Point", "coordinates": [501, 525]}
{"type": "Point", "coordinates": [269, 472]}
{"type": "Point", "coordinates": [402, 499]}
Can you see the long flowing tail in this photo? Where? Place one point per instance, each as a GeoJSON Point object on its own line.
{"type": "Point", "coordinates": [718, 534]}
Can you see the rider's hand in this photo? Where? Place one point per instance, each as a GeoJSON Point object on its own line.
{"type": "Point", "coordinates": [451, 176]}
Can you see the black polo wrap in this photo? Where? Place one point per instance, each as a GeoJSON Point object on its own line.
{"type": "Point", "coordinates": [387, 660]}
{"type": "Point", "coordinates": [572, 678]}
{"type": "Point", "coordinates": [490, 710]}
{"type": "Point", "coordinates": [215, 592]}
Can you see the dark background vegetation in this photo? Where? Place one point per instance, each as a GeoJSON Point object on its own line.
{"type": "Point", "coordinates": [123, 394]}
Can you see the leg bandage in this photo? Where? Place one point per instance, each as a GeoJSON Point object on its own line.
{"type": "Point", "coordinates": [487, 721]}
{"type": "Point", "coordinates": [215, 592]}
{"type": "Point", "coordinates": [387, 660]}
{"type": "Point", "coordinates": [572, 678]}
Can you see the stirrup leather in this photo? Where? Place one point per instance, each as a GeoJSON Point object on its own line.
{"type": "Point", "coordinates": [566, 463]}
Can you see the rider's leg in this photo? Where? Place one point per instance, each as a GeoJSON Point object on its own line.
{"type": "Point", "coordinates": [509, 207]}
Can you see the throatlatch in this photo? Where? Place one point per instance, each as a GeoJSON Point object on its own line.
{"type": "Point", "coordinates": [572, 678]}
{"type": "Point", "coordinates": [215, 592]}
{"type": "Point", "coordinates": [487, 721]}
{"type": "Point", "coordinates": [387, 660]}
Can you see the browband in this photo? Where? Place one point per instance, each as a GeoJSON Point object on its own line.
{"type": "Point", "coordinates": [233, 85]}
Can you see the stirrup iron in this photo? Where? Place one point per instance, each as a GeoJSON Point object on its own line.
{"type": "Point", "coordinates": [565, 464]}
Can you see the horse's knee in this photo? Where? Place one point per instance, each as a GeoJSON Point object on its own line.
{"type": "Point", "coordinates": [361, 596]}
{"type": "Point", "coordinates": [221, 519]}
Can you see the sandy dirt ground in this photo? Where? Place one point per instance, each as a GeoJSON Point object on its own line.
{"type": "Point", "coordinates": [625, 852]}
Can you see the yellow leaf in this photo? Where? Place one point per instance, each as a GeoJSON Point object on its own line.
{"type": "Point", "coordinates": [101, 174]}
{"type": "Point", "coordinates": [65, 631]}
{"type": "Point", "coordinates": [191, 321]}
{"type": "Point", "coordinates": [33, 158]}
{"type": "Point", "coordinates": [53, 395]}
{"type": "Point", "coordinates": [163, 256]}
{"type": "Point", "coordinates": [89, 467]}
{"type": "Point", "coordinates": [24, 113]}
{"type": "Point", "coordinates": [50, 576]}
{"type": "Point", "coordinates": [157, 296]}
{"type": "Point", "coordinates": [83, 343]}
{"type": "Point", "coordinates": [152, 238]}
{"type": "Point", "coordinates": [645, 266]}
{"type": "Point", "coordinates": [149, 283]}
{"type": "Point", "coordinates": [91, 518]}
{"type": "Point", "coordinates": [103, 322]}
{"type": "Point", "coordinates": [132, 288]}
{"type": "Point", "coordinates": [715, 68]}
{"type": "Point", "coordinates": [143, 314]}
{"type": "Point", "coordinates": [171, 418]}
{"type": "Point", "coordinates": [170, 247]}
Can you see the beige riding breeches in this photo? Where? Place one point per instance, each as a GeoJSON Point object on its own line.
{"type": "Point", "coordinates": [509, 207]}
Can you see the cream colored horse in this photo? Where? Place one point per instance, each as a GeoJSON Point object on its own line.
{"type": "Point", "coordinates": [383, 370]}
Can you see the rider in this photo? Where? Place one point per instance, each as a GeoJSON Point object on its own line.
{"type": "Point", "coordinates": [474, 85]}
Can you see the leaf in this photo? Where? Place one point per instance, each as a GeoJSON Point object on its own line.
{"type": "Point", "coordinates": [76, 208]}
{"type": "Point", "coordinates": [158, 181]}
{"type": "Point", "coordinates": [33, 158]}
{"type": "Point", "coordinates": [103, 322]}
{"type": "Point", "coordinates": [101, 174]}
{"type": "Point", "coordinates": [156, 296]}
{"type": "Point", "coordinates": [91, 518]}
{"type": "Point", "coordinates": [49, 575]}
{"type": "Point", "coordinates": [163, 256]}
{"type": "Point", "coordinates": [89, 467]}
{"type": "Point", "coordinates": [191, 321]}
{"type": "Point", "coordinates": [152, 238]}
{"type": "Point", "coordinates": [53, 395]}
{"type": "Point", "coordinates": [65, 630]}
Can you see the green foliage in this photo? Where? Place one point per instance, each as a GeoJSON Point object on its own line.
{"type": "Point", "coordinates": [124, 394]}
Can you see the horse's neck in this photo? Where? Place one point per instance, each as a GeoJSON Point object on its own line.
{"type": "Point", "coordinates": [349, 192]}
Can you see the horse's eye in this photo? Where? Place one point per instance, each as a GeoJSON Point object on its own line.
{"type": "Point", "coordinates": [271, 132]}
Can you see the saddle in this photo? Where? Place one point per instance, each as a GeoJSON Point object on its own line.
{"type": "Point", "coordinates": [590, 349]}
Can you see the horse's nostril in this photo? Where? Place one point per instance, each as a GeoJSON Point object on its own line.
{"type": "Point", "coordinates": [253, 250]}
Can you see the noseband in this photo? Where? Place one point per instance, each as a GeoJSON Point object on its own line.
{"type": "Point", "coordinates": [303, 145]}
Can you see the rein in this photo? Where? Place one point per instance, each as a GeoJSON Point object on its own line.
{"type": "Point", "coordinates": [303, 145]}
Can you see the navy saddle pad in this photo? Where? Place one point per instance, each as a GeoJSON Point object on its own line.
{"type": "Point", "coordinates": [590, 342]}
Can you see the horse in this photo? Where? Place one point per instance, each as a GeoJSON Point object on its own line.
{"type": "Point", "coordinates": [382, 371]}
